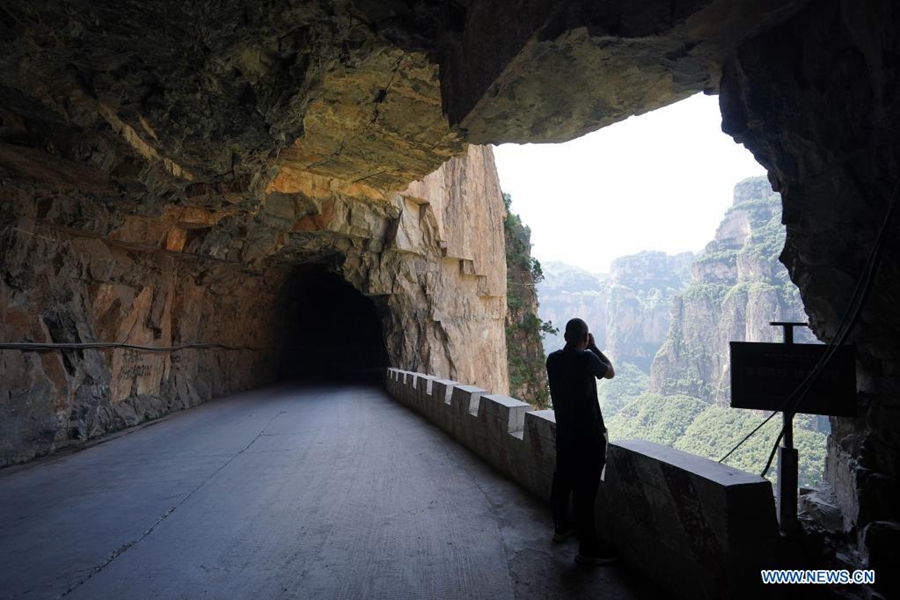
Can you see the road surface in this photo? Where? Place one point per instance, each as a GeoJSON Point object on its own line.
{"type": "Point", "coordinates": [284, 492]}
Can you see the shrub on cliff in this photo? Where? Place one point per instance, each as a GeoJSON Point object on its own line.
{"type": "Point", "coordinates": [524, 348]}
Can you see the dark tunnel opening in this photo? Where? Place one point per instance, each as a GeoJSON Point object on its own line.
{"type": "Point", "coordinates": [332, 332]}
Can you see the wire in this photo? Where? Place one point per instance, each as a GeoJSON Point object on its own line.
{"type": "Point", "coordinates": [860, 294]}
{"type": "Point", "coordinates": [52, 347]}
{"type": "Point", "coordinates": [868, 276]}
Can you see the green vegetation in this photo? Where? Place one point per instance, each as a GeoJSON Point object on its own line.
{"type": "Point", "coordinates": [680, 414]}
{"type": "Point", "coordinates": [629, 383]}
{"type": "Point", "coordinates": [518, 245]}
{"type": "Point", "coordinates": [766, 241]}
{"type": "Point", "coordinates": [689, 424]}
{"type": "Point", "coordinates": [660, 419]}
{"type": "Point", "coordinates": [713, 293]}
{"type": "Point", "coordinates": [717, 430]}
{"type": "Point", "coordinates": [728, 255]}
{"type": "Point", "coordinates": [524, 350]}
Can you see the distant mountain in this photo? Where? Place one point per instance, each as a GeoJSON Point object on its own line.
{"type": "Point", "coordinates": [737, 287]}
{"type": "Point", "coordinates": [627, 310]}
{"type": "Point", "coordinates": [673, 316]}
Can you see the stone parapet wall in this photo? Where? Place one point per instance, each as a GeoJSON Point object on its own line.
{"type": "Point", "coordinates": [697, 528]}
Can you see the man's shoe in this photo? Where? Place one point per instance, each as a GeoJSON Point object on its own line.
{"type": "Point", "coordinates": [596, 557]}
{"type": "Point", "coordinates": [563, 532]}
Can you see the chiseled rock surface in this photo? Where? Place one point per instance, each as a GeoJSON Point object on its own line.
{"type": "Point", "coordinates": [228, 90]}
{"type": "Point", "coordinates": [63, 287]}
{"type": "Point", "coordinates": [143, 104]}
{"type": "Point", "coordinates": [581, 66]}
{"type": "Point", "coordinates": [78, 269]}
{"type": "Point", "coordinates": [817, 101]}
{"type": "Point", "coordinates": [444, 274]}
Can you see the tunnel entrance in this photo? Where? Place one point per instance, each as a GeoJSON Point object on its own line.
{"type": "Point", "coordinates": [332, 332]}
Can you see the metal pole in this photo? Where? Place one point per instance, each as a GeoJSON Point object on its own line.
{"type": "Point", "coordinates": [788, 462]}
{"type": "Point", "coordinates": [788, 440]}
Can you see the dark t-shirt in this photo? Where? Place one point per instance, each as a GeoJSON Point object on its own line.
{"type": "Point", "coordinates": [573, 378]}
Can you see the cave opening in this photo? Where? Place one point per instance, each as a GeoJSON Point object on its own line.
{"type": "Point", "coordinates": [675, 253]}
{"type": "Point", "coordinates": [331, 332]}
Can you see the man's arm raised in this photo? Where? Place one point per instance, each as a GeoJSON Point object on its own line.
{"type": "Point", "coordinates": [609, 372]}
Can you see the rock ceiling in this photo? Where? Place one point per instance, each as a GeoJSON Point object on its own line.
{"type": "Point", "coordinates": [241, 130]}
{"type": "Point", "coordinates": [237, 93]}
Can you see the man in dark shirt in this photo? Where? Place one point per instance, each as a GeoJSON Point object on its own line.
{"type": "Point", "coordinates": [580, 438]}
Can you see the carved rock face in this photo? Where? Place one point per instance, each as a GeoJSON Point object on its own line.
{"type": "Point", "coordinates": [817, 101]}
{"type": "Point", "coordinates": [227, 90]}
{"type": "Point", "coordinates": [255, 135]}
{"type": "Point", "coordinates": [170, 166]}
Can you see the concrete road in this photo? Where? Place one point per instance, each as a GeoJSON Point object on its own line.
{"type": "Point", "coordinates": [284, 492]}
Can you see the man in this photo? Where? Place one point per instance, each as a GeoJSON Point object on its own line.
{"type": "Point", "coordinates": [580, 438]}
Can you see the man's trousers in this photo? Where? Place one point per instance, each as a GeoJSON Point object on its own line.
{"type": "Point", "coordinates": [578, 469]}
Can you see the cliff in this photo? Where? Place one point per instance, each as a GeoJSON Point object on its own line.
{"type": "Point", "coordinates": [217, 266]}
{"type": "Point", "coordinates": [567, 291]}
{"type": "Point", "coordinates": [688, 311]}
{"type": "Point", "coordinates": [525, 351]}
{"type": "Point", "coordinates": [627, 310]}
{"type": "Point", "coordinates": [737, 288]}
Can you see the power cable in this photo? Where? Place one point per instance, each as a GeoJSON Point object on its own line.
{"type": "Point", "coordinates": [857, 301]}
{"type": "Point", "coordinates": [869, 277]}
{"type": "Point", "coordinates": [52, 347]}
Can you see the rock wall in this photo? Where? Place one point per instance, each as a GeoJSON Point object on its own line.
{"type": "Point", "coordinates": [554, 70]}
{"type": "Point", "coordinates": [61, 285]}
{"type": "Point", "coordinates": [82, 267]}
{"type": "Point", "coordinates": [568, 291]}
{"type": "Point", "coordinates": [140, 105]}
{"type": "Point", "coordinates": [524, 347]}
{"type": "Point", "coordinates": [737, 288]}
{"type": "Point", "coordinates": [817, 101]}
{"type": "Point", "coordinates": [642, 286]}
{"type": "Point", "coordinates": [444, 273]}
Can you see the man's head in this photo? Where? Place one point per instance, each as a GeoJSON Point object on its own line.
{"type": "Point", "coordinates": [576, 333]}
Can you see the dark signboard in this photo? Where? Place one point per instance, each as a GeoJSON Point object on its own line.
{"type": "Point", "coordinates": [764, 375]}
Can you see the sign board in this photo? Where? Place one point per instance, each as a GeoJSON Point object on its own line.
{"type": "Point", "coordinates": [764, 375]}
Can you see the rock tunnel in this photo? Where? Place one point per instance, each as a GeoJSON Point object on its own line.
{"type": "Point", "coordinates": [333, 332]}
{"type": "Point", "coordinates": [165, 169]}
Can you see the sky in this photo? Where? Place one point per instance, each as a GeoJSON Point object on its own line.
{"type": "Point", "coordinates": [660, 181]}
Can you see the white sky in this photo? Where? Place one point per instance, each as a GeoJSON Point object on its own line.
{"type": "Point", "coordinates": [661, 181]}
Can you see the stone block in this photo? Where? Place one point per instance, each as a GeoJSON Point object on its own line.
{"type": "Point", "coordinates": [410, 392]}
{"type": "Point", "coordinates": [507, 412]}
{"type": "Point", "coordinates": [462, 422]}
{"type": "Point", "coordinates": [498, 417]}
{"type": "Point", "coordinates": [437, 409]}
{"type": "Point", "coordinates": [518, 466]}
{"type": "Point", "coordinates": [390, 382]}
{"type": "Point", "coordinates": [423, 393]}
{"type": "Point", "coordinates": [707, 527]}
{"type": "Point", "coordinates": [395, 382]}
{"type": "Point", "coordinates": [539, 439]}
{"type": "Point", "coordinates": [399, 383]}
